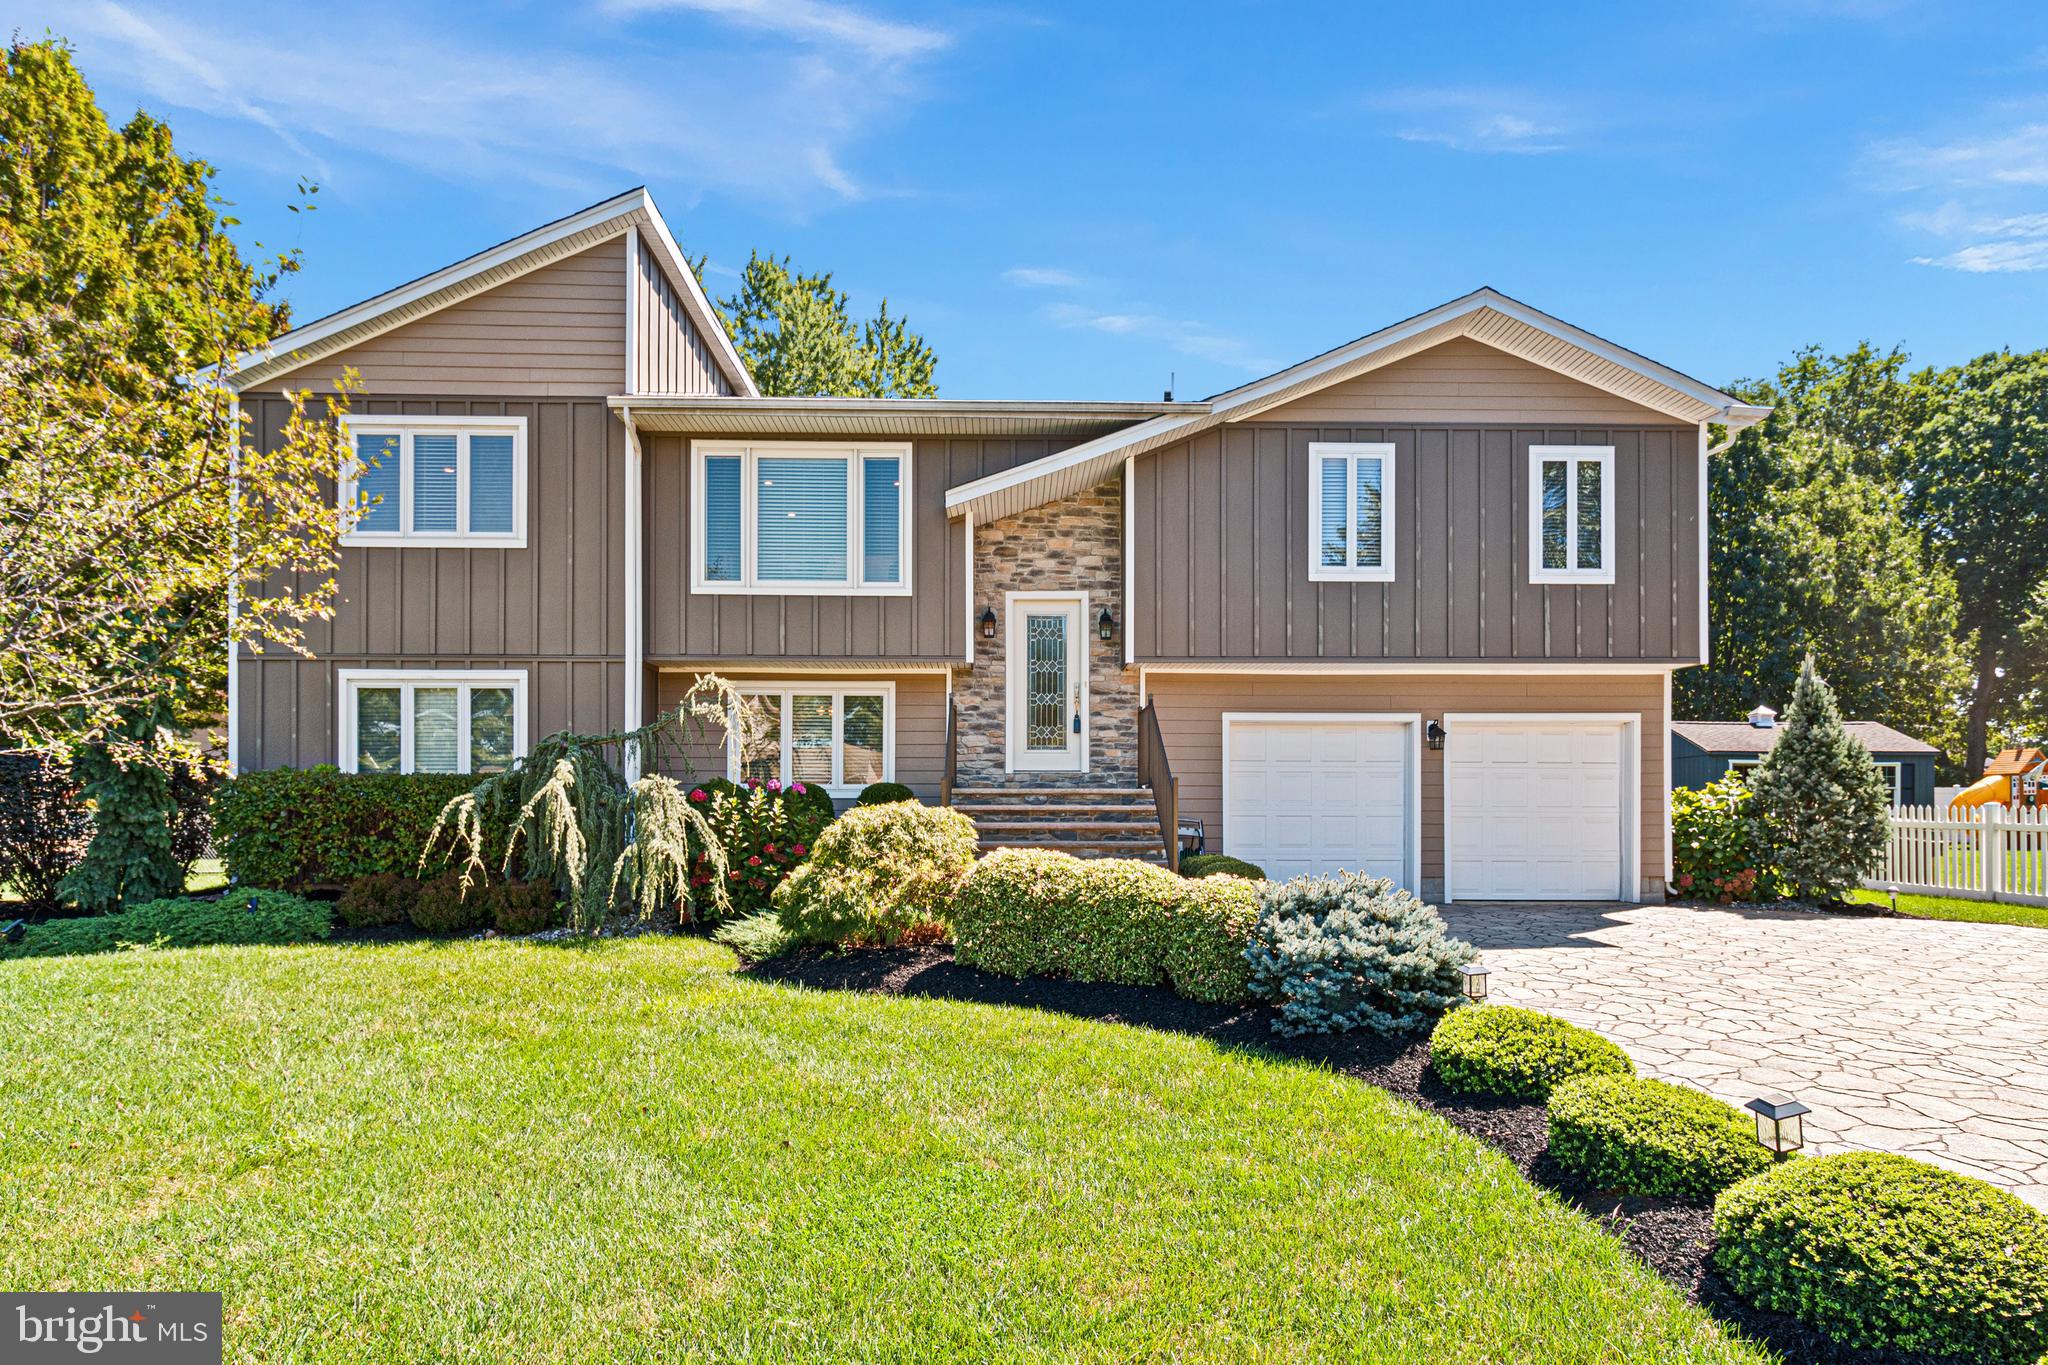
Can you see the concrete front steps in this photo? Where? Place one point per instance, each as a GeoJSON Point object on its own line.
{"type": "Point", "coordinates": [1088, 822]}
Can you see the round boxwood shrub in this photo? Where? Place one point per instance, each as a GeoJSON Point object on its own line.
{"type": "Point", "coordinates": [1516, 1053]}
{"type": "Point", "coordinates": [883, 793]}
{"type": "Point", "coordinates": [385, 898]}
{"type": "Point", "coordinates": [524, 907]}
{"type": "Point", "coordinates": [1350, 952]}
{"type": "Point", "coordinates": [1220, 864]}
{"type": "Point", "coordinates": [1878, 1250]}
{"type": "Point", "coordinates": [1640, 1136]}
{"type": "Point", "coordinates": [879, 875]}
{"type": "Point", "coordinates": [1028, 912]}
{"type": "Point", "coordinates": [445, 907]}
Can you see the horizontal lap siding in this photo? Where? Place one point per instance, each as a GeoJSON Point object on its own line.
{"type": "Point", "coordinates": [920, 722]}
{"type": "Point", "coordinates": [553, 332]}
{"type": "Point", "coordinates": [929, 624]}
{"type": "Point", "coordinates": [1221, 549]}
{"type": "Point", "coordinates": [1191, 709]}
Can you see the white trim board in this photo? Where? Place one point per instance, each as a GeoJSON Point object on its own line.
{"type": "Point", "coordinates": [1412, 796]}
{"type": "Point", "coordinates": [1629, 725]}
{"type": "Point", "coordinates": [1351, 452]}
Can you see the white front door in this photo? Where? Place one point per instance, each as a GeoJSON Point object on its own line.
{"type": "Point", "coordinates": [1048, 684]}
{"type": "Point", "coordinates": [1538, 809]}
{"type": "Point", "coordinates": [1319, 794]}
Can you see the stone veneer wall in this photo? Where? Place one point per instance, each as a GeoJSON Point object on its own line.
{"type": "Point", "coordinates": [1076, 544]}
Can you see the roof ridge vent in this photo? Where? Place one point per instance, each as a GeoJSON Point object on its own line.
{"type": "Point", "coordinates": [1763, 718]}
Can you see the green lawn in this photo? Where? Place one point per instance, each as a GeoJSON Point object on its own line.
{"type": "Point", "coordinates": [1950, 907]}
{"type": "Point", "coordinates": [501, 1151]}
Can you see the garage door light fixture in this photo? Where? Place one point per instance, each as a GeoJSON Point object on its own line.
{"type": "Point", "coordinates": [1434, 733]}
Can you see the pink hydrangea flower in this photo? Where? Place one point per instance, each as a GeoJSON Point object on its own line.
{"type": "Point", "coordinates": [797, 787]}
{"type": "Point", "coordinates": [700, 795]}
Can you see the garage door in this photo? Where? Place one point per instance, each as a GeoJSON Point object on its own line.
{"type": "Point", "coordinates": [1318, 796]}
{"type": "Point", "coordinates": [1533, 810]}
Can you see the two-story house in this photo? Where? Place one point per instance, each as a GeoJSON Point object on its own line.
{"type": "Point", "coordinates": [1410, 606]}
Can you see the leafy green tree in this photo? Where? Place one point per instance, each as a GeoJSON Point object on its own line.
{"type": "Point", "coordinates": [1978, 489]}
{"type": "Point", "coordinates": [799, 339]}
{"type": "Point", "coordinates": [120, 529]}
{"type": "Point", "coordinates": [1812, 552]}
{"type": "Point", "coordinates": [1820, 811]}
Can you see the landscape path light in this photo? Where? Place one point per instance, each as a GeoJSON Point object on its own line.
{"type": "Point", "coordinates": [1778, 1124]}
{"type": "Point", "coordinates": [1475, 973]}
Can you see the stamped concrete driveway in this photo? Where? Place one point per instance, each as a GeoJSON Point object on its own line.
{"type": "Point", "coordinates": [1904, 1035]}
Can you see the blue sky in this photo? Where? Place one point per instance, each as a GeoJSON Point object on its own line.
{"type": "Point", "coordinates": [1076, 200]}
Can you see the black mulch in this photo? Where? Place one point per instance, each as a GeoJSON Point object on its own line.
{"type": "Point", "coordinates": [1671, 1237]}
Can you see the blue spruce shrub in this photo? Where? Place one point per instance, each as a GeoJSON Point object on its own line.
{"type": "Point", "coordinates": [1350, 952]}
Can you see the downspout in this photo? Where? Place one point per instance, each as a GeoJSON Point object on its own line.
{"type": "Point", "coordinates": [234, 601]}
{"type": "Point", "coordinates": [635, 648]}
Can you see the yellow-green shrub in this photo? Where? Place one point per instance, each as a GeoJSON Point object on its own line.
{"type": "Point", "coordinates": [879, 874]}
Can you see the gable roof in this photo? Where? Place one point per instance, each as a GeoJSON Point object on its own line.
{"type": "Point", "coordinates": [1740, 737]}
{"type": "Point", "coordinates": [1485, 315]}
{"type": "Point", "coordinates": [565, 237]}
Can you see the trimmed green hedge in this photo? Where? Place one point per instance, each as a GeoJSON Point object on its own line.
{"type": "Point", "coordinates": [320, 827]}
{"type": "Point", "coordinates": [1640, 1136]}
{"type": "Point", "coordinates": [1214, 864]}
{"type": "Point", "coordinates": [1517, 1053]}
{"type": "Point", "coordinates": [1879, 1251]}
{"type": "Point", "coordinates": [241, 917]}
{"type": "Point", "coordinates": [1027, 912]}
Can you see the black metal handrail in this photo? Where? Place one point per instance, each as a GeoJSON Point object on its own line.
{"type": "Point", "coordinates": [1156, 772]}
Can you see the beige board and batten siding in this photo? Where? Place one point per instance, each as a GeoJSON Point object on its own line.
{"type": "Point", "coordinates": [554, 608]}
{"type": "Point", "coordinates": [1221, 533]}
{"type": "Point", "coordinates": [919, 725]}
{"type": "Point", "coordinates": [558, 331]}
{"type": "Point", "coordinates": [1191, 707]}
{"type": "Point", "coordinates": [670, 354]}
{"type": "Point", "coordinates": [930, 623]}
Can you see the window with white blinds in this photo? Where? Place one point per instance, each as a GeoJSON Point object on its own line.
{"type": "Point", "coordinates": [840, 736]}
{"type": "Point", "coordinates": [431, 720]}
{"type": "Point", "coordinates": [1351, 511]}
{"type": "Point", "coordinates": [1571, 514]}
{"type": "Point", "coordinates": [436, 481]}
{"type": "Point", "coordinates": [800, 519]}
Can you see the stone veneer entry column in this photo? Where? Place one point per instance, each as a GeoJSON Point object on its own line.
{"type": "Point", "coordinates": [1074, 545]}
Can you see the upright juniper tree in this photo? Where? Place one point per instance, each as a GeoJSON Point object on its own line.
{"type": "Point", "coordinates": [1820, 810]}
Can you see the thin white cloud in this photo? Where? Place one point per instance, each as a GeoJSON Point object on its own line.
{"type": "Point", "coordinates": [778, 125]}
{"type": "Point", "coordinates": [811, 20]}
{"type": "Point", "coordinates": [1041, 277]}
{"type": "Point", "coordinates": [1991, 186]}
{"type": "Point", "coordinates": [1480, 119]}
{"type": "Point", "coordinates": [1188, 338]}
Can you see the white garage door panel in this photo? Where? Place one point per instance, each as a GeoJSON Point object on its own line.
{"type": "Point", "coordinates": [1535, 810]}
{"type": "Point", "coordinates": [1317, 797]}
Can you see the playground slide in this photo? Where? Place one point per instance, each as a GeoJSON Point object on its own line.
{"type": "Point", "coordinates": [1985, 791]}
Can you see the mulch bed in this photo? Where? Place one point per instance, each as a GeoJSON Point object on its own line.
{"type": "Point", "coordinates": [1671, 1236]}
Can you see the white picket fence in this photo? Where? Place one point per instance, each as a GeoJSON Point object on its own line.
{"type": "Point", "coordinates": [1991, 853]}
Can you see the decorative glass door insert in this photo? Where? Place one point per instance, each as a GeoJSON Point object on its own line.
{"type": "Point", "coordinates": [1048, 676]}
{"type": "Point", "coordinates": [1047, 718]}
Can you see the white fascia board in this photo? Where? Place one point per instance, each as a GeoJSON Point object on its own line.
{"type": "Point", "coordinates": [1157, 428]}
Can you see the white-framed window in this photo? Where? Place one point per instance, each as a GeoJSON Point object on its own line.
{"type": "Point", "coordinates": [1351, 511]}
{"type": "Point", "coordinates": [800, 518]}
{"type": "Point", "coordinates": [1743, 767]}
{"type": "Point", "coordinates": [1571, 514]}
{"type": "Point", "coordinates": [841, 736]}
{"type": "Point", "coordinates": [431, 481]}
{"type": "Point", "coordinates": [428, 720]}
{"type": "Point", "coordinates": [1894, 775]}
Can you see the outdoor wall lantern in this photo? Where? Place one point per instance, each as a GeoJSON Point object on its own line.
{"type": "Point", "coordinates": [1777, 1122]}
{"type": "Point", "coordinates": [988, 623]}
{"type": "Point", "coordinates": [1105, 626]}
{"type": "Point", "coordinates": [1434, 733]}
{"type": "Point", "coordinates": [1475, 974]}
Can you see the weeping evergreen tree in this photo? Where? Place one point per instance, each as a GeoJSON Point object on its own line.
{"type": "Point", "coordinates": [1820, 809]}
{"type": "Point", "coordinates": [567, 815]}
